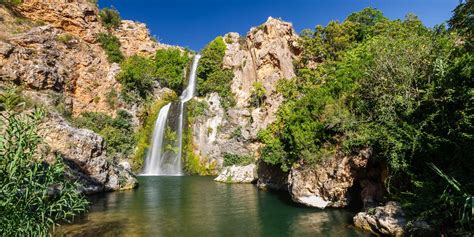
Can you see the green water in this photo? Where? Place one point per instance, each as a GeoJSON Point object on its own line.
{"type": "Point", "coordinates": [197, 206]}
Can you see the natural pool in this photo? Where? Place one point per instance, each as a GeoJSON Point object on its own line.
{"type": "Point", "coordinates": [198, 206]}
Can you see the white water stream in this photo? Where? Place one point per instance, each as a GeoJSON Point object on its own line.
{"type": "Point", "coordinates": [165, 156]}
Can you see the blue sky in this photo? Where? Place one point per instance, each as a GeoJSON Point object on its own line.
{"type": "Point", "coordinates": [193, 24]}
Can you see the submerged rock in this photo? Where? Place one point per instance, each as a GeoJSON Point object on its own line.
{"type": "Point", "coordinates": [386, 220]}
{"type": "Point", "coordinates": [238, 174]}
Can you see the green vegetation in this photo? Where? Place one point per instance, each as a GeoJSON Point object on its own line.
{"type": "Point", "coordinates": [110, 18]}
{"type": "Point", "coordinates": [212, 77]}
{"type": "Point", "coordinates": [10, 3]}
{"type": "Point", "coordinates": [111, 45]}
{"type": "Point", "coordinates": [117, 132]}
{"type": "Point", "coordinates": [170, 67]}
{"type": "Point", "coordinates": [34, 195]}
{"type": "Point", "coordinates": [10, 98]}
{"type": "Point", "coordinates": [257, 98]}
{"type": "Point", "coordinates": [234, 159]}
{"type": "Point", "coordinates": [136, 78]}
{"type": "Point", "coordinates": [139, 74]}
{"type": "Point", "coordinates": [396, 86]}
{"type": "Point", "coordinates": [148, 118]}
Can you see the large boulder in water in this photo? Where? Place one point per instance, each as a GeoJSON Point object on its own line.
{"type": "Point", "coordinates": [238, 174]}
{"type": "Point", "coordinates": [338, 181]}
{"type": "Point", "coordinates": [386, 220]}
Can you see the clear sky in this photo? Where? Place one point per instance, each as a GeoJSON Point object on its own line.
{"type": "Point", "coordinates": [194, 23]}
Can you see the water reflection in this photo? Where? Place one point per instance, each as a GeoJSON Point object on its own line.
{"type": "Point", "coordinates": [197, 206]}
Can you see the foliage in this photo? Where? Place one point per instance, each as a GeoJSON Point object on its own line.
{"type": "Point", "coordinates": [110, 18]}
{"type": "Point", "coordinates": [234, 159]}
{"type": "Point", "coordinates": [211, 75]}
{"type": "Point", "coordinates": [196, 108]}
{"type": "Point", "coordinates": [136, 78]}
{"type": "Point", "coordinates": [170, 66]}
{"type": "Point", "coordinates": [258, 94]}
{"type": "Point", "coordinates": [34, 195]}
{"type": "Point", "coordinates": [111, 45]}
{"type": "Point", "coordinates": [396, 86]}
{"type": "Point", "coordinates": [10, 98]}
{"type": "Point", "coordinates": [117, 132]}
{"type": "Point", "coordinates": [148, 118]}
{"type": "Point", "coordinates": [111, 98]}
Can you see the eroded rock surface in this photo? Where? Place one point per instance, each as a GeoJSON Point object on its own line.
{"type": "Point", "coordinates": [84, 152]}
{"type": "Point", "coordinates": [238, 174]}
{"type": "Point", "coordinates": [387, 220]}
{"type": "Point", "coordinates": [329, 183]}
{"type": "Point", "coordinates": [266, 56]}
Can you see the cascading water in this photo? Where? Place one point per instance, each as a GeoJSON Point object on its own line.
{"type": "Point", "coordinates": [164, 155]}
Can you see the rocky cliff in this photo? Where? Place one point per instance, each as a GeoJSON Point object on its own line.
{"type": "Point", "coordinates": [49, 49]}
{"type": "Point", "coordinates": [265, 56]}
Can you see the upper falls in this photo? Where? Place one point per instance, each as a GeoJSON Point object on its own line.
{"type": "Point", "coordinates": [165, 154]}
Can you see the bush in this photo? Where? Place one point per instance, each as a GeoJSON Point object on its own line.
{"type": "Point", "coordinates": [136, 78]}
{"type": "Point", "coordinates": [34, 195]}
{"type": "Point", "coordinates": [234, 159]}
{"type": "Point", "coordinates": [117, 132]}
{"type": "Point", "coordinates": [257, 98]}
{"type": "Point", "coordinates": [170, 66]}
{"type": "Point", "coordinates": [110, 18]}
{"type": "Point", "coordinates": [111, 45]}
{"type": "Point", "coordinates": [212, 77]}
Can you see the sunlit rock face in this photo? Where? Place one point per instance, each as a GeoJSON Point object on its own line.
{"type": "Point", "coordinates": [238, 174]}
{"type": "Point", "coordinates": [265, 56]}
{"type": "Point", "coordinates": [84, 153]}
{"type": "Point", "coordinates": [49, 49]}
{"type": "Point", "coordinates": [338, 181]}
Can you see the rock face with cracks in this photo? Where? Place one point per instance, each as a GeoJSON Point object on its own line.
{"type": "Point", "coordinates": [264, 56]}
{"type": "Point", "coordinates": [238, 174]}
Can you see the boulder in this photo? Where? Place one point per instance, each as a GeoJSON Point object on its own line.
{"type": "Point", "coordinates": [84, 153]}
{"type": "Point", "coordinates": [238, 174]}
{"type": "Point", "coordinates": [386, 220]}
{"type": "Point", "coordinates": [337, 181]}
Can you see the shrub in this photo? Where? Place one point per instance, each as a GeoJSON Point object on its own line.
{"type": "Point", "coordinates": [10, 98]}
{"type": "Point", "coordinates": [110, 18]}
{"type": "Point", "coordinates": [258, 94]}
{"type": "Point", "coordinates": [196, 108]}
{"type": "Point", "coordinates": [234, 159]}
{"type": "Point", "coordinates": [34, 195]}
{"type": "Point", "coordinates": [136, 78]}
{"type": "Point", "coordinates": [212, 77]}
{"type": "Point", "coordinates": [170, 66]}
{"type": "Point", "coordinates": [111, 45]}
{"type": "Point", "coordinates": [115, 131]}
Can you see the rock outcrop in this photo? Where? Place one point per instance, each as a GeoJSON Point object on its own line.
{"type": "Point", "coordinates": [238, 174]}
{"type": "Point", "coordinates": [386, 220]}
{"type": "Point", "coordinates": [337, 181]}
{"type": "Point", "coordinates": [265, 56]}
{"type": "Point", "coordinates": [84, 153]}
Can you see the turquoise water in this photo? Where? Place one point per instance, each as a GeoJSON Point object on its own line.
{"type": "Point", "coordinates": [197, 206]}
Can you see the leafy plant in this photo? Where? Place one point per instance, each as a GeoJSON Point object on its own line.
{"type": "Point", "coordinates": [257, 97]}
{"type": "Point", "coordinates": [110, 18]}
{"type": "Point", "coordinates": [34, 195]}
{"type": "Point", "coordinates": [136, 78]}
{"type": "Point", "coordinates": [111, 45]}
{"type": "Point", "coordinates": [212, 77]}
{"type": "Point", "coordinates": [234, 159]}
{"type": "Point", "coordinates": [170, 67]}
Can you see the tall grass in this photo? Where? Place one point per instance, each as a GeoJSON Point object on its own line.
{"type": "Point", "coordinates": [34, 195]}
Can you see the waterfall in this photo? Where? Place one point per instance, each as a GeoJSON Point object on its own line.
{"type": "Point", "coordinates": [165, 154]}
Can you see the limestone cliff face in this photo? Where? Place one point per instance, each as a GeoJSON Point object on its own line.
{"type": "Point", "coordinates": [49, 48]}
{"type": "Point", "coordinates": [59, 52]}
{"type": "Point", "coordinates": [265, 55]}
